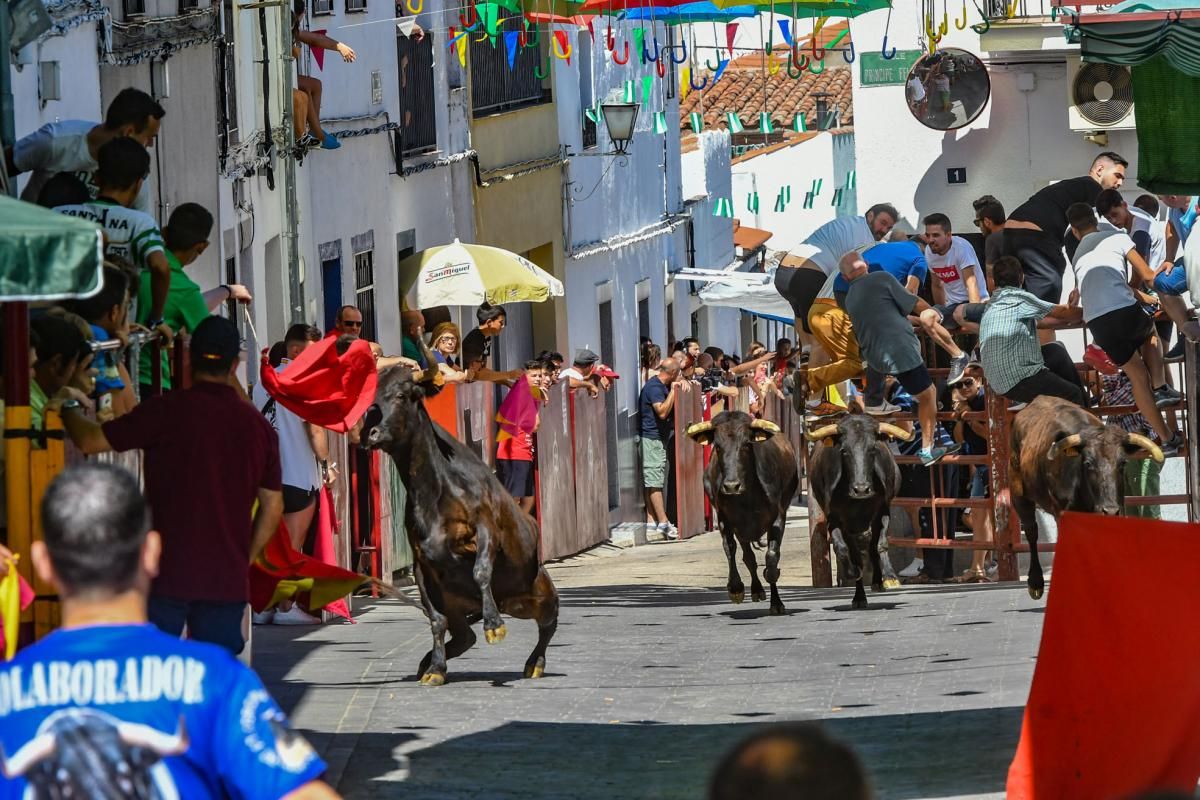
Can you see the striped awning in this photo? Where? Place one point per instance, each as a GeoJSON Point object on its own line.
{"type": "Point", "coordinates": [1155, 27]}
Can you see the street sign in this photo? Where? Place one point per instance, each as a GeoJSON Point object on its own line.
{"type": "Point", "coordinates": [956, 175]}
{"type": "Point", "coordinates": [875, 70]}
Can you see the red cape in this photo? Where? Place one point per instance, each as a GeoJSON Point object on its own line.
{"type": "Point", "coordinates": [1114, 703]}
{"type": "Point", "coordinates": [324, 388]}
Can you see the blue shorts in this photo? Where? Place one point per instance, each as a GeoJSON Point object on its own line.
{"type": "Point", "coordinates": [216, 623]}
{"type": "Point", "coordinates": [1173, 282]}
{"type": "Point", "coordinates": [979, 484]}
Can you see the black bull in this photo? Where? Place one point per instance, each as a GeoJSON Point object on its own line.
{"type": "Point", "coordinates": [475, 550]}
{"type": "Point", "coordinates": [750, 480]}
{"type": "Point", "coordinates": [854, 478]}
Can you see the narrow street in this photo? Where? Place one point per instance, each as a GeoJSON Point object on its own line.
{"type": "Point", "coordinates": [654, 674]}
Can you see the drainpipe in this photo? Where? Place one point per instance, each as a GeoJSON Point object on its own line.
{"type": "Point", "coordinates": [291, 222]}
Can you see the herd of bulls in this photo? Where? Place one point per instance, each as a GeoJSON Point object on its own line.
{"type": "Point", "coordinates": [476, 552]}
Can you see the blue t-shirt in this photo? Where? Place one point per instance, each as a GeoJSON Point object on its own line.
{"type": "Point", "coordinates": [655, 391]}
{"type": "Point", "coordinates": [108, 377]}
{"type": "Point", "coordinates": [901, 259]}
{"type": "Point", "coordinates": [125, 710]}
{"type": "Point", "coordinates": [1183, 220]}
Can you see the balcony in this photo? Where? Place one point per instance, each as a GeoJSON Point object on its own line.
{"type": "Point", "coordinates": [1021, 11]}
{"type": "Point", "coordinates": [495, 88]}
{"type": "Point", "coordinates": [418, 120]}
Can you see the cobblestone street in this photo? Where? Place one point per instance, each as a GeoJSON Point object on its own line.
{"type": "Point", "coordinates": [654, 674]}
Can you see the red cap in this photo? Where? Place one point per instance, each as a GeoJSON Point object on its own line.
{"type": "Point", "coordinates": [605, 371]}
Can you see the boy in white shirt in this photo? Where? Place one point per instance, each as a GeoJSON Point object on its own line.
{"type": "Point", "coordinates": [1116, 319]}
{"type": "Point", "coordinates": [74, 145]}
{"type": "Point", "coordinates": [128, 233]}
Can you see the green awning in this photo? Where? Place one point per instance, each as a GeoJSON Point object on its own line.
{"type": "Point", "coordinates": [1141, 38]}
{"type": "Point", "coordinates": [47, 256]}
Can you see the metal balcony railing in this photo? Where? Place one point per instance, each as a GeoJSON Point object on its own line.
{"type": "Point", "coordinates": [495, 88]}
{"type": "Point", "coordinates": [418, 123]}
{"type": "Point", "coordinates": [1000, 10]}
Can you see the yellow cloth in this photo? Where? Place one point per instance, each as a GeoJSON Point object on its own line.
{"type": "Point", "coordinates": [830, 326]}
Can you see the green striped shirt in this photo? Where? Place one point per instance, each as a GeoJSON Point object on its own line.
{"type": "Point", "coordinates": [128, 233]}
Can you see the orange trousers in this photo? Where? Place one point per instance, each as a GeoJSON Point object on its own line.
{"type": "Point", "coordinates": [830, 326]}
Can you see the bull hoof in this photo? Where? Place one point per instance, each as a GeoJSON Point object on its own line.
{"type": "Point", "coordinates": [758, 595]}
{"type": "Point", "coordinates": [535, 671]}
{"type": "Point", "coordinates": [891, 583]}
{"type": "Point", "coordinates": [433, 679]}
{"type": "Point", "coordinates": [495, 636]}
{"type": "Point", "coordinates": [777, 611]}
{"type": "Point", "coordinates": [737, 597]}
{"type": "Point", "coordinates": [1036, 592]}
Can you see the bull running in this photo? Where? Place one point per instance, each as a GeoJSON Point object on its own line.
{"type": "Point", "coordinates": [475, 550]}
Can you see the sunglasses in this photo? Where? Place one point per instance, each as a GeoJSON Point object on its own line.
{"type": "Point", "coordinates": [349, 323]}
{"type": "Point", "coordinates": [979, 223]}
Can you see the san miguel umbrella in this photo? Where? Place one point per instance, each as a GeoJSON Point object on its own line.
{"type": "Point", "coordinates": [45, 255]}
{"type": "Point", "coordinates": [460, 274]}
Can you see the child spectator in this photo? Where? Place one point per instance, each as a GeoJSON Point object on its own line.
{"type": "Point", "coordinates": [186, 238]}
{"type": "Point", "coordinates": [107, 313]}
{"type": "Point", "coordinates": [518, 418]}
{"type": "Point", "coordinates": [128, 232]}
{"type": "Point", "coordinates": [62, 353]}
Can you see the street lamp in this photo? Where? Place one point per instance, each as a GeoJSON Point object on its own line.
{"type": "Point", "coordinates": [619, 118]}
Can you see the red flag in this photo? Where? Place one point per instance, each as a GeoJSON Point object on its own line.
{"type": "Point", "coordinates": [518, 412]}
{"type": "Point", "coordinates": [1113, 707]}
{"type": "Point", "coordinates": [318, 52]}
{"type": "Point", "coordinates": [324, 388]}
{"type": "Point", "coordinates": [281, 573]}
{"type": "Point", "coordinates": [15, 597]}
{"type": "Point", "coordinates": [730, 34]}
{"type": "Point", "coordinates": [323, 549]}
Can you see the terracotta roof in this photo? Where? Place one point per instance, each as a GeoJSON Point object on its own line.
{"type": "Point", "coordinates": [749, 89]}
{"type": "Point", "coordinates": [749, 238]}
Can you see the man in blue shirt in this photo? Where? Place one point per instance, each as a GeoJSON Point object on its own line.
{"type": "Point", "coordinates": [901, 257]}
{"type": "Point", "coordinates": [656, 410]}
{"type": "Point", "coordinates": [109, 706]}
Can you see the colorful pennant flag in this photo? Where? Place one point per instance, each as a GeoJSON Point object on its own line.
{"type": "Point", "coordinates": [798, 124]}
{"type": "Point", "coordinates": [685, 83]}
{"type": "Point", "coordinates": [764, 123]}
{"type": "Point", "coordinates": [628, 92]}
{"type": "Point", "coordinates": [511, 46]}
{"type": "Point", "coordinates": [15, 597]}
{"type": "Point", "coordinates": [697, 120]}
{"type": "Point", "coordinates": [788, 192]}
{"type": "Point", "coordinates": [735, 124]}
{"type": "Point", "coordinates": [784, 26]}
{"type": "Point", "coordinates": [816, 186]}
{"type": "Point", "coordinates": [722, 63]}
{"type": "Point", "coordinates": [808, 200]}
{"type": "Point", "coordinates": [723, 208]}
{"type": "Point", "coordinates": [837, 197]}
{"type": "Point", "coordinates": [647, 86]}
{"type": "Point", "coordinates": [462, 50]}
{"type": "Point", "coordinates": [752, 202]}
{"type": "Point", "coordinates": [639, 43]}
{"type": "Point", "coordinates": [660, 122]}
{"type": "Point", "coordinates": [593, 114]}
{"type": "Point", "coordinates": [780, 203]}
{"type": "Point", "coordinates": [851, 179]}
{"type": "Point", "coordinates": [730, 35]}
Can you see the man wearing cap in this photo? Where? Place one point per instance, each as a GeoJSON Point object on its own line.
{"type": "Point", "coordinates": [582, 374]}
{"type": "Point", "coordinates": [209, 458]}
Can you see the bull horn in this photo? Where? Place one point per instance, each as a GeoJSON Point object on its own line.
{"type": "Point", "coordinates": [700, 427]}
{"type": "Point", "coordinates": [1066, 443]}
{"type": "Point", "coordinates": [896, 432]}
{"type": "Point", "coordinates": [823, 432]}
{"type": "Point", "coordinates": [765, 425]}
{"type": "Point", "coordinates": [148, 738]}
{"type": "Point", "coordinates": [1143, 442]}
{"type": "Point", "coordinates": [431, 374]}
{"type": "Point", "coordinates": [36, 751]}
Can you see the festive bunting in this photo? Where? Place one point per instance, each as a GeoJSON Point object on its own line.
{"type": "Point", "coordinates": [685, 83]}
{"type": "Point", "coordinates": [462, 50]}
{"type": "Point", "coordinates": [837, 197]}
{"type": "Point", "coordinates": [764, 123]}
{"type": "Point", "coordinates": [784, 26]}
{"type": "Point", "coordinates": [591, 30]}
{"type": "Point", "coordinates": [730, 35]}
{"type": "Point", "coordinates": [722, 63]}
{"type": "Point", "coordinates": [851, 179]}
{"type": "Point", "coordinates": [798, 124]}
{"type": "Point", "coordinates": [511, 46]}
{"type": "Point", "coordinates": [816, 187]}
{"type": "Point", "coordinates": [788, 192]}
{"type": "Point", "coordinates": [735, 124]}
{"type": "Point", "coordinates": [808, 200]}
{"type": "Point", "coordinates": [639, 43]}
{"type": "Point", "coordinates": [723, 208]}
{"type": "Point", "coordinates": [697, 120]}
{"type": "Point", "coordinates": [15, 597]}
{"type": "Point", "coordinates": [660, 122]}
{"type": "Point", "coordinates": [647, 87]}
{"type": "Point", "coordinates": [593, 114]}
{"type": "Point", "coordinates": [752, 202]}
{"type": "Point", "coordinates": [628, 91]}
{"type": "Point", "coordinates": [780, 203]}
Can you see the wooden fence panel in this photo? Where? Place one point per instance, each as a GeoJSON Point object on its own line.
{"type": "Point", "coordinates": [556, 476]}
{"type": "Point", "coordinates": [591, 469]}
{"type": "Point", "coordinates": [477, 418]}
{"type": "Point", "coordinates": [689, 466]}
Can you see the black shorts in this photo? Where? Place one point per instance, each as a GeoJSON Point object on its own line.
{"type": "Point", "coordinates": [947, 314]}
{"type": "Point", "coordinates": [799, 286]}
{"type": "Point", "coordinates": [1120, 333]}
{"type": "Point", "coordinates": [297, 499]}
{"type": "Point", "coordinates": [515, 476]}
{"type": "Point", "coordinates": [1042, 260]}
{"type": "Point", "coordinates": [973, 312]}
{"type": "Point", "coordinates": [915, 380]}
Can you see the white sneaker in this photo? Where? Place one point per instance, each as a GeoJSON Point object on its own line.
{"type": "Point", "coordinates": [912, 569]}
{"type": "Point", "coordinates": [264, 618]}
{"type": "Point", "coordinates": [296, 616]}
{"type": "Point", "coordinates": [884, 409]}
{"type": "Point", "coordinates": [668, 531]}
{"type": "Point", "coordinates": [1016, 406]}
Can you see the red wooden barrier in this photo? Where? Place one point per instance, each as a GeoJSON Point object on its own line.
{"type": "Point", "coordinates": [443, 408]}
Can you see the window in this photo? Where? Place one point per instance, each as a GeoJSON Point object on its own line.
{"type": "Point", "coordinates": [418, 123]}
{"type": "Point", "coordinates": [227, 122]}
{"type": "Point", "coordinates": [188, 5]}
{"type": "Point", "coordinates": [583, 51]}
{"type": "Point", "coordinates": [321, 7]}
{"type": "Point", "coordinates": [364, 291]}
{"type": "Point", "coordinates": [495, 88]}
{"type": "Point", "coordinates": [133, 8]}
{"type": "Point", "coordinates": [607, 352]}
{"type": "Point", "coordinates": [356, 6]}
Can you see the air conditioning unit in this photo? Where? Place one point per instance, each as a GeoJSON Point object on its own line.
{"type": "Point", "coordinates": [1099, 96]}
